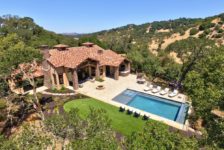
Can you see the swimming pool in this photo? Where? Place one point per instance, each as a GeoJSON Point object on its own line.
{"type": "Point", "coordinates": [159, 106]}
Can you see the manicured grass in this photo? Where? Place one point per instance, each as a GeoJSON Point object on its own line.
{"type": "Point", "coordinates": [120, 121]}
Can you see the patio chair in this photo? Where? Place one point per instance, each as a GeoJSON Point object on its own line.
{"type": "Point", "coordinates": [157, 89]}
{"type": "Point", "coordinates": [165, 91]}
{"type": "Point", "coordinates": [174, 93]}
{"type": "Point", "coordinates": [93, 80]}
{"type": "Point", "coordinates": [148, 87]}
{"type": "Point", "coordinates": [140, 80]}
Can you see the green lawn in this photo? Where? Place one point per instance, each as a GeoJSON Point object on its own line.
{"type": "Point", "coordinates": [120, 121]}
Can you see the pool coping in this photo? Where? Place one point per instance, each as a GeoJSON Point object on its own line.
{"type": "Point", "coordinates": [184, 100]}
{"type": "Point", "coordinates": [161, 96]}
{"type": "Point", "coordinates": [168, 100]}
{"type": "Point", "coordinates": [181, 105]}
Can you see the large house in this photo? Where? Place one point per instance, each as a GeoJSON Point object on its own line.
{"type": "Point", "coordinates": [70, 66]}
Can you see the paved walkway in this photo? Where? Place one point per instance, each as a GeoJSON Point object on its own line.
{"type": "Point", "coordinates": [39, 90]}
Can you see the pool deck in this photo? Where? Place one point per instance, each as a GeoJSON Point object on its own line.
{"type": "Point", "coordinates": [116, 87]}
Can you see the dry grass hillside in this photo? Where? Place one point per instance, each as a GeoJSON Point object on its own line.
{"type": "Point", "coordinates": [214, 33]}
{"type": "Point", "coordinates": [158, 35]}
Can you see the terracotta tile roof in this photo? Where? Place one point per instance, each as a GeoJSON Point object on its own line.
{"type": "Point", "coordinates": [74, 56]}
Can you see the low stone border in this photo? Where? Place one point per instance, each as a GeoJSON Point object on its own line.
{"type": "Point", "coordinates": [58, 94]}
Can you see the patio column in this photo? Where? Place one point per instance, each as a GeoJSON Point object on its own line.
{"type": "Point", "coordinates": [116, 73]}
{"type": "Point", "coordinates": [57, 81]}
{"type": "Point", "coordinates": [75, 79]}
{"type": "Point", "coordinates": [65, 78]}
{"type": "Point", "coordinates": [104, 71]}
{"type": "Point", "coordinates": [52, 78]}
{"type": "Point", "coordinates": [97, 70]}
{"type": "Point", "coordinates": [129, 67]}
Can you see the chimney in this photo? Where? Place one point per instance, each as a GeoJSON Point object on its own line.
{"type": "Point", "coordinates": [88, 44]}
{"type": "Point", "coordinates": [61, 47]}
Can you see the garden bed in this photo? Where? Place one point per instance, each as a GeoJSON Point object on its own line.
{"type": "Point", "coordinates": [60, 91]}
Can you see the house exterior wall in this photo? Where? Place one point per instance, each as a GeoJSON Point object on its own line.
{"type": "Point", "coordinates": [75, 79]}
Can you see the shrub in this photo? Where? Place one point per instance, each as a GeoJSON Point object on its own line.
{"type": "Point", "coordinates": [193, 31]}
{"type": "Point", "coordinates": [202, 35]}
{"type": "Point", "coordinates": [136, 114]}
{"type": "Point", "coordinates": [207, 31]}
{"type": "Point", "coordinates": [63, 88]}
{"type": "Point", "coordinates": [182, 32]}
{"type": "Point", "coordinates": [99, 79]}
{"type": "Point", "coordinates": [129, 112]}
{"type": "Point", "coordinates": [220, 23]}
{"type": "Point", "coordinates": [217, 36]}
{"type": "Point", "coordinates": [2, 104]}
{"type": "Point", "coordinates": [206, 25]}
{"type": "Point", "coordinates": [217, 27]}
{"type": "Point", "coordinates": [2, 117]}
{"type": "Point", "coordinates": [121, 109]}
{"type": "Point", "coordinates": [145, 117]}
{"type": "Point", "coordinates": [220, 30]}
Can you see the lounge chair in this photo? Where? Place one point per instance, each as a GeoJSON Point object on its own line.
{"type": "Point", "coordinates": [148, 87]}
{"type": "Point", "coordinates": [141, 80]}
{"type": "Point", "coordinates": [157, 89]}
{"type": "Point", "coordinates": [165, 91]}
{"type": "Point", "coordinates": [174, 93]}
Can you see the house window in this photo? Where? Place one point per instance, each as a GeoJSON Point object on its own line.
{"type": "Point", "coordinates": [61, 81]}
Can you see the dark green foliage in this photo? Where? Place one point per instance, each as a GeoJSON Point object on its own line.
{"type": "Point", "coordinates": [204, 86]}
{"type": "Point", "coordinates": [202, 35]}
{"type": "Point", "coordinates": [215, 128]}
{"type": "Point", "coordinates": [32, 139]}
{"type": "Point", "coordinates": [182, 32]}
{"type": "Point", "coordinates": [220, 31]}
{"type": "Point", "coordinates": [174, 24]}
{"type": "Point", "coordinates": [3, 88]}
{"type": "Point", "coordinates": [13, 52]}
{"type": "Point", "coordinates": [193, 31]}
{"type": "Point", "coordinates": [217, 36]}
{"type": "Point", "coordinates": [157, 136]}
{"type": "Point", "coordinates": [203, 83]}
{"type": "Point", "coordinates": [206, 25]}
{"type": "Point", "coordinates": [92, 39]}
{"type": "Point", "coordinates": [30, 33]}
{"type": "Point", "coordinates": [207, 31]}
{"type": "Point", "coordinates": [28, 138]}
{"type": "Point", "coordinates": [6, 144]}
{"type": "Point", "coordinates": [93, 132]}
{"type": "Point", "coordinates": [2, 104]}
{"type": "Point", "coordinates": [221, 16]}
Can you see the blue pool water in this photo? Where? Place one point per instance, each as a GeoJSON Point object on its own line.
{"type": "Point", "coordinates": [159, 106]}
